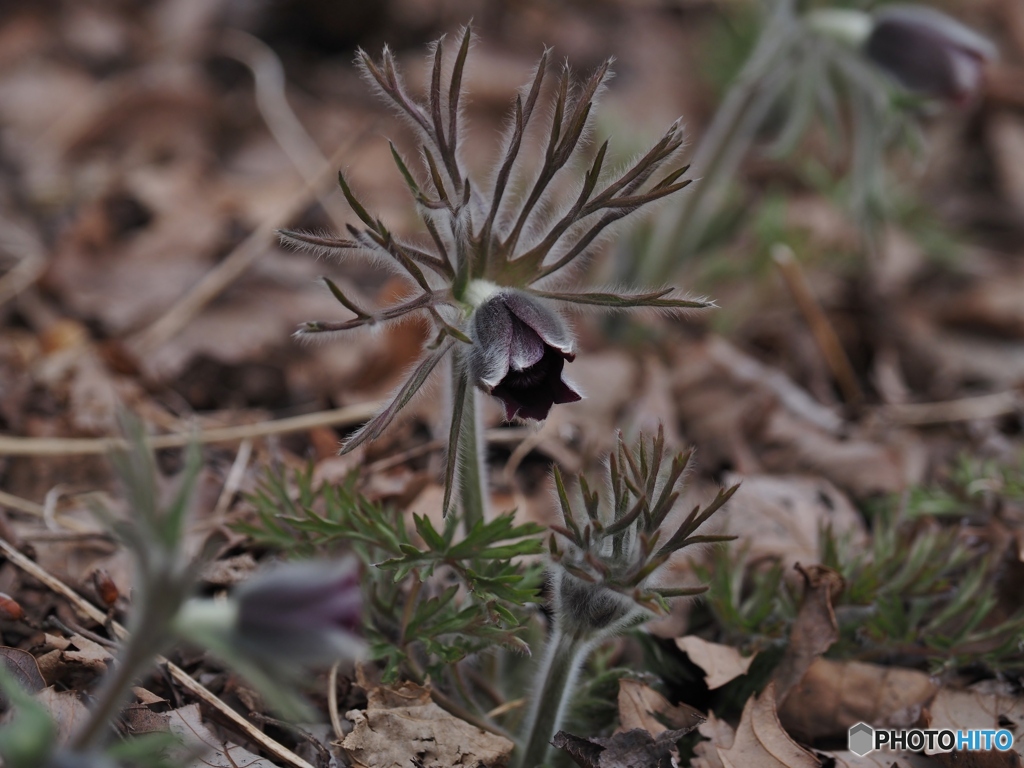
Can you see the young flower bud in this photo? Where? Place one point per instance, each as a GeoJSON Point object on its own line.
{"type": "Point", "coordinates": [929, 52]}
{"type": "Point", "coordinates": [291, 615]}
{"type": "Point", "coordinates": [309, 611]}
{"type": "Point", "coordinates": [519, 349]}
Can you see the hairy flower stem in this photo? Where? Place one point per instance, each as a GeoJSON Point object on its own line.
{"type": "Point", "coordinates": [719, 153]}
{"type": "Point", "coordinates": [472, 474]}
{"type": "Point", "coordinates": [142, 647]}
{"type": "Point", "coordinates": [553, 686]}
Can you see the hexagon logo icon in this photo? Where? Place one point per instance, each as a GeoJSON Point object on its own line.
{"type": "Point", "coordinates": [861, 739]}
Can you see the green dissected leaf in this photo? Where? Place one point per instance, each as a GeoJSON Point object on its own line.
{"type": "Point", "coordinates": [477, 607]}
{"type": "Point", "coordinates": [920, 588]}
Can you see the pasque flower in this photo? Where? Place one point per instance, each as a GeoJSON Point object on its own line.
{"type": "Point", "coordinates": [519, 349]}
{"type": "Point", "coordinates": [605, 569]}
{"type": "Point", "coordinates": [309, 610]}
{"type": "Point", "coordinates": [291, 615]}
{"type": "Point", "coordinates": [489, 267]}
{"type": "Point", "coordinates": [929, 52]}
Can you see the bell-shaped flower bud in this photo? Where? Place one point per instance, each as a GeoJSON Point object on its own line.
{"type": "Point", "coordinates": [292, 615]}
{"type": "Point", "coordinates": [310, 611]}
{"type": "Point", "coordinates": [519, 349]}
{"type": "Point", "coordinates": [929, 52]}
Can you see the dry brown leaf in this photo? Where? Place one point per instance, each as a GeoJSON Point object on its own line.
{"type": "Point", "coordinates": [640, 707]}
{"type": "Point", "coordinates": [992, 304]}
{"type": "Point", "coordinates": [90, 655]}
{"type": "Point", "coordinates": [721, 663]}
{"type": "Point", "coordinates": [608, 381]}
{"type": "Point", "coordinates": [862, 466]}
{"type": "Point", "coordinates": [983, 707]}
{"type": "Point", "coordinates": [834, 695]}
{"type": "Point", "coordinates": [187, 725]}
{"type": "Point", "coordinates": [751, 416]}
{"type": "Point", "coordinates": [402, 726]}
{"type": "Point", "coordinates": [760, 739]}
{"type": "Point", "coordinates": [229, 571]}
{"type": "Point", "coordinates": [147, 697]}
{"type": "Point", "coordinates": [780, 517]}
{"type": "Point", "coordinates": [626, 749]}
{"type": "Point", "coordinates": [22, 666]}
{"type": "Point", "coordinates": [951, 359]}
{"type": "Point", "coordinates": [980, 707]}
{"type": "Point", "coordinates": [139, 719]}
{"type": "Point", "coordinates": [66, 709]}
{"type": "Point", "coordinates": [720, 735]}
{"type": "Point", "coordinates": [813, 632]}
{"type": "Point", "coordinates": [51, 666]}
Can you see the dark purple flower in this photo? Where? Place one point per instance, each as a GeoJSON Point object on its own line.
{"type": "Point", "coordinates": [307, 610]}
{"type": "Point", "coordinates": [929, 52]}
{"type": "Point", "coordinates": [519, 349]}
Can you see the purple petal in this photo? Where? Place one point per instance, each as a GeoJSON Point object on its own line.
{"type": "Point", "coordinates": [303, 597]}
{"type": "Point", "coordinates": [529, 394]}
{"type": "Point", "coordinates": [544, 321]}
{"type": "Point", "coordinates": [491, 332]}
{"type": "Point", "coordinates": [929, 52]}
{"type": "Point", "coordinates": [525, 347]}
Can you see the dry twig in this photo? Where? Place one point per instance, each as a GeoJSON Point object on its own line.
{"type": "Point", "coordinates": [824, 334]}
{"type": "Point", "coordinates": [83, 446]}
{"type": "Point", "coordinates": [947, 412]}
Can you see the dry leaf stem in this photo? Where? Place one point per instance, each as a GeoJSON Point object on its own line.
{"type": "Point", "coordinates": [825, 336]}
{"type": "Point", "coordinates": [348, 416]}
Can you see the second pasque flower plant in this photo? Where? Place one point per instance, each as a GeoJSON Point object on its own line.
{"type": "Point", "coordinates": [490, 269]}
{"type": "Point", "coordinates": [929, 52]}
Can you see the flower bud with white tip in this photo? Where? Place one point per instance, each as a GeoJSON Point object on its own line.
{"type": "Point", "coordinates": [309, 610]}
{"type": "Point", "coordinates": [923, 49]}
{"type": "Point", "coordinates": [282, 621]}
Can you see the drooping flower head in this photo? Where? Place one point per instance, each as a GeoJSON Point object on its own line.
{"type": "Point", "coordinates": [292, 615]}
{"type": "Point", "coordinates": [278, 624]}
{"type": "Point", "coordinates": [307, 610]}
{"type": "Point", "coordinates": [489, 271]}
{"type": "Point", "coordinates": [519, 349]}
{"type": "Point", "coordinates": [929, 52]}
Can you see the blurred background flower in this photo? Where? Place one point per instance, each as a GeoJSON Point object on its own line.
{"type": "Point", "coordinates": [929, 52]}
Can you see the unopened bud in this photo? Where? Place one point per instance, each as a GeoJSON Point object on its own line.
{"type": "Point", "coordinates": [292, 615]}
{"type": "Point", "coordinates": [308, 611]}
{"type": "Point", "coordinates": [929, 52]}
